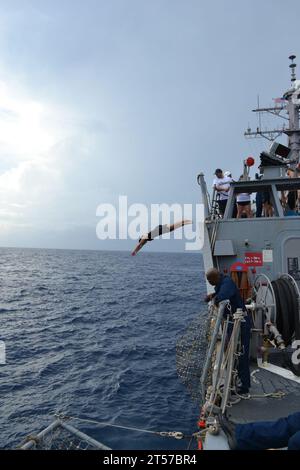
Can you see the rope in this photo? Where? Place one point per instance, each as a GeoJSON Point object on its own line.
{"type": "Point", "coordinates": [278, 394]}
{"type": "Point", "coordinates": [253, 373]}
{"type": "Point", "coordinates": [173, 434]}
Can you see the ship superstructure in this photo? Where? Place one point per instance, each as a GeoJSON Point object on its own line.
{"type": "Point", "coordinates": [262, 256]}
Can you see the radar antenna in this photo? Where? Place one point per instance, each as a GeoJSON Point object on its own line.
{"type": "Point", "coordinates": [293, 67]}
{"type": "Point", "coordinates": [286, 107]}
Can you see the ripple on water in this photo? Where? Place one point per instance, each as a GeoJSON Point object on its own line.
{"type": "Point", "coordinates": [94, 334]}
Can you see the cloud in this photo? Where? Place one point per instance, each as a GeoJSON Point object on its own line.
{"type": "Point", "coordinates": [103, 98]}
{"type": "Point", "coordinates": [50, 178]}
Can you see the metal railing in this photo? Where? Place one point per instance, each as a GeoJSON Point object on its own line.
{"type": "Point", "coordinates": [221, 360]}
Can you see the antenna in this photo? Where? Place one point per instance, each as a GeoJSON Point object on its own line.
{"type": "Point", "coordinates": [292, 67]}
{"type": "Point", "coordinates": [277, 110]}
{"type": "Point", "coordinates": [288, 104]}
{"type": "Point", "coordinates": [259, 114]}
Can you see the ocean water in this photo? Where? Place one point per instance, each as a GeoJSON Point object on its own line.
{"type": "Point", "coordinates": [93, 334]}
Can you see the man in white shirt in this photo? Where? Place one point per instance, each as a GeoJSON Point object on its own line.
{"type": "Point", "coordinates": [221, 184]}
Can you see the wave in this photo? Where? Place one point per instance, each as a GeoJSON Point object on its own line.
{"type": "Point", "coordinates": [88, 333]}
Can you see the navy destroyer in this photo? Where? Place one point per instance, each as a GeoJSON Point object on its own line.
{"type": "Point", "coordinates": [261, 253]}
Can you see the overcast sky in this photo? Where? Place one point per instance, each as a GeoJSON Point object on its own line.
{"type": "Point", "coordinates": [101, 98]}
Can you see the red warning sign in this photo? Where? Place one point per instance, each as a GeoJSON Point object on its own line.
{"type": "Point", "coordinates": [254, 258]}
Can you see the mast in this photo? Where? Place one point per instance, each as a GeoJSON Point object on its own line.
{"type": "Point", "coordinates": [289, 104]}
{"type": "Point", "coordinates": [292, 97]}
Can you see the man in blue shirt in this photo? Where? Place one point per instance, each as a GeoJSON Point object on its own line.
{"type": "Point", "coordinates": [226, 289]}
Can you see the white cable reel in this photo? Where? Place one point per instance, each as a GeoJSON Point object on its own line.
{"type": "Point", "coordinates": [265, 300]}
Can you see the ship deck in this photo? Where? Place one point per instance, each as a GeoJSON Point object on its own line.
{"type": "Point", "coordinates": [260, 406]}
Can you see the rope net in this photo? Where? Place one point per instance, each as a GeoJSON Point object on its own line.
{"type": "Point", "coordinates": [191, 351]}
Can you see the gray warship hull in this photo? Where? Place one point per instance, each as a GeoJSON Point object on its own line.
{"type": "Point", "coordinates": [262, 255]}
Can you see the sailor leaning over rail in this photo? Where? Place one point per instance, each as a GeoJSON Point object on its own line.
{"type": "Point", "coordinates": [226, 289]}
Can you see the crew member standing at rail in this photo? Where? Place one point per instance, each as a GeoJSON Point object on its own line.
{"type": "Point", "coordinates": [226, 289]}
{"type": "Point", "coordinates": [221, 184]}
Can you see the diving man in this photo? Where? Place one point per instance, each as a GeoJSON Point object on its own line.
{"type": "Point", "coordinates": [157, 232]}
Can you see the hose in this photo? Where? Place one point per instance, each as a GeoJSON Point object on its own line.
{"type": "Point", "coordinates": [287, 318]}
{"type": "Point", "coordinates": [285, 308]}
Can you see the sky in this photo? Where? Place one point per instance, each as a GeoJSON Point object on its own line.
{"type": "Point", "coordinates": [128, 97]}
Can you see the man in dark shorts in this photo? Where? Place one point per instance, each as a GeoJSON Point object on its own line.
{"type": "Point", "coordinates": [267, 205]}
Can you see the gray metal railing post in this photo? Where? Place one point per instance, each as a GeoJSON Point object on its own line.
{"type": "Point", "coordinates": [202, 184]}
{"type": "Point", "coordinates": [212, 345]}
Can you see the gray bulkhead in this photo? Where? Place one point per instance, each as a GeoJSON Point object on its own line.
{"type": "Point", "coordinates": [275, 239]}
